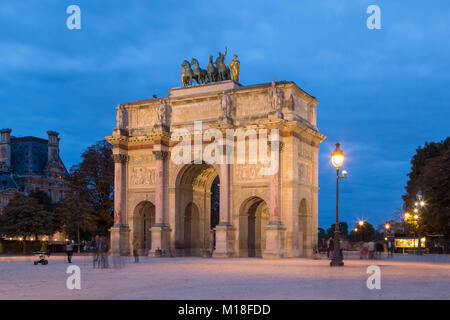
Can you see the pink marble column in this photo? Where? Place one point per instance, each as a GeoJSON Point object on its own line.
{"type": "Point", "coordinates": [159, 186]}
{"type": "Point", "coordinates": [224, 188]}
{"type": "Point", "coordinates": [274, 188]}
{"type": "Point", "coordinates": [274, 216]}
{"type": "Point", "coordinates": [119, 187]}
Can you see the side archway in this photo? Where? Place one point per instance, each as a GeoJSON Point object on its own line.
{"type": "Point", "coordinates": [143, 221]}
{"type": "Point", "coordinates": [303, 228]}
{"type": "Point", "coordinates": [253, 219]}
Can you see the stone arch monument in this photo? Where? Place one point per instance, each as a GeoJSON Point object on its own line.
{"type": "Point", "coordinates": [261, 214]}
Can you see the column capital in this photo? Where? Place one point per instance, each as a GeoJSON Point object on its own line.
{"type": "Point", "coordinates": [120, 158]}
{"type": "Point", "coordinates": [160, 155]}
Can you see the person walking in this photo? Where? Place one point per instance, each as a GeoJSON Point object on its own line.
{"type": "Point", "coordinates": [380, 249]}
{"type": "Point", "coordinates": [390, 248]}
{"type": "Point", "coordinates": [330, 248]}
{"type": "Point", "coordinates": [69, 251]}
{"type": "Point", "coordinates": [104, 252]}
{"type": "Point", "coordinates": [371, 249]}
{"type": "Point", "coordinates": [96, 247]}
{"type": "Point", "coordinates": [136, 246]}
{"type": "Point", "coordinates": [364, 251]}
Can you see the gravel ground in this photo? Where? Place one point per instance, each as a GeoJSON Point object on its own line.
{"type": "Point", "coordinates": [404, 277]}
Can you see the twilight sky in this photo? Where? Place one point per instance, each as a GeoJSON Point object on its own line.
{"type": "Point", "coordinates": [382, 92]}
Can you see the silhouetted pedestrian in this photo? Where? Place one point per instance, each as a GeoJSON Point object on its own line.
{"type": "Point", "coordinates": [69, 251]}
{"type": "Point", "coordinates": [136, 246]}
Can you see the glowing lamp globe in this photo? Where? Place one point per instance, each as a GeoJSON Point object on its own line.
{"type": "Point", "coordinates": [337, 157]}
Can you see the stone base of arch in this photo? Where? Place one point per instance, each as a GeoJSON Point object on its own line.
{"type": "Point", "coordinates": [120, 240]}
{"type": "Point", "coordinates": [160, 240]}
{"type": "Point", "coordinates": [225, 241]}
{"type": "Point", "coordinates": [275, 234]}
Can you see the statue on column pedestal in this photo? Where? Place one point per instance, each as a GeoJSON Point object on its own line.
{"type": "Point", "coordinates": [163, 113]}
{"type": "Point", "coordinates": [226, 104]}
{"type": "Point", "coordinates": [276, 98]}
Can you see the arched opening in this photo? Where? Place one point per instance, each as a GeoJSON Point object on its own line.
{"type": "Point", "coordinates": [253, 219]}
{"type": "Point", "coordinates": [196, 198]}
{"type": "Point", "coordinates": [302, 227]}
{"type": "Point", "coordinates": [143, 221]}
{"type": "Point", "coordinates": [191, 230]}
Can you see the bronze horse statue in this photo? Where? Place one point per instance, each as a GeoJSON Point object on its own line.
{"type": "Point", "coordinates": [211, 71]}
{"type": "Point", "coordinates": [186, 74]}
{"type": "Point", "coordinates": [200, 75]}
{"type": "Point", "coordinates": [216, 71]}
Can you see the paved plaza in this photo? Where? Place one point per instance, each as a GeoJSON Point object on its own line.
{"type": "Point", "coordinates": [404, 277]}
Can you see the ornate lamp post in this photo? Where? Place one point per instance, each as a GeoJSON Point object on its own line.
{"type": "Point", "coordinates": [337, 159]}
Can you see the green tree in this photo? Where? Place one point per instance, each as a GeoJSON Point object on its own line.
{"type": "Point", "coordinates": [321, 233]}
{"type": "Point", "coordinates": [366, 232]}
{"type": "Point", "coordinates": [430, 173]}
{"type": "Point", "coordinates": [92, 181]}
{"type": "Point", "coordinates": [74, 216]}
{"type": "Point", "coordinates": [24, 217]}
{"type": "Point", "coordinates": [43, 199]}
{"type": "Point", "coordinates": [343, 229]}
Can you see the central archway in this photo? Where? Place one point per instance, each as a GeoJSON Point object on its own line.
{"type": "Point", "coordinates": [194, 217]}
{"type": "Point", "coordinates": [253, 219]}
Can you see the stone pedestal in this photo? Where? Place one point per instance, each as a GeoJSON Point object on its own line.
{"type": "Point", "coordinates": [160, 240]}
{"type": "Point", "coordinates": [120, 240]}
{"type": "Point", "coordinates": [274, 241]}
{"type": "Point", "coordinates": [224, 241]}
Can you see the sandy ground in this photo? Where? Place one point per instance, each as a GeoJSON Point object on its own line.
{"type": "Point", "coordinates": [404, 277]}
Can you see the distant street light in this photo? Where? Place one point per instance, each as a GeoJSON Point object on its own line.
{"type": "Point", "coordinates": [420, 202]}
{"type": "Point", "coordinates": [337, 159]}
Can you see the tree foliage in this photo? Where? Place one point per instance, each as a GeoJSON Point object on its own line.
{"type": "Point", "coordinates": [430, 173]}
{"type": "Point", "coordinates": [75, 217]}
{"type": "Point", "coordinates": [24, 217]}
{"type": "Point", "coordinates": [343, 228]}
{"type": "Point", "coordinates": [92, 184]}
{"type": "Point", "coordinates": [366, 232]}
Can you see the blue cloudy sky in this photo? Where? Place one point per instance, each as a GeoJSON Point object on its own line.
{"type": "Point", "coordinates": [382, 92]}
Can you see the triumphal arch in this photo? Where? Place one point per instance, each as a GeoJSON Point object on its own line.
{"type": "Point", "coordinates": [250, 151]}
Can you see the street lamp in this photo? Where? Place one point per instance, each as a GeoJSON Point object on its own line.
{"type": "Point", "coordinates": [361, 223]}
{"type": "Point", "coordinates": [420, 202]}
{"type": "Point", "coordinates": [337, 159]}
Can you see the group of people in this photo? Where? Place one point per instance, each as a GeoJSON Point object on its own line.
{"type": "Point", "coordinates": [369, 250]}
{"type": "Point", "coordinates": [98, 246]}
{"type": "Point", "coordinates": [374, 250]}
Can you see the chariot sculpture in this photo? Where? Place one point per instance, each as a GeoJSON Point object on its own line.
{"type": "Point", "coordinates": [215, 71]}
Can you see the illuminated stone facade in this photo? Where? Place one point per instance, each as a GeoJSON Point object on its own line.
{"type": "Point", "coordinates": [164, 207]}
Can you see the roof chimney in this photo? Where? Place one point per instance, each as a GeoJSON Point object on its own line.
{"type": "Point", "coordinates": [5, 147]}
{"type": "Point", "coordinates": [53, 146]}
